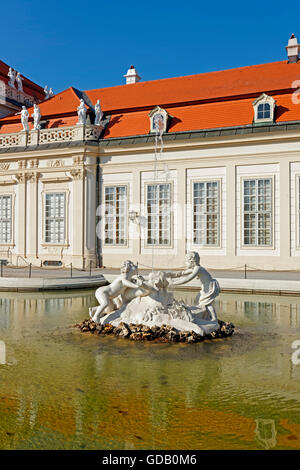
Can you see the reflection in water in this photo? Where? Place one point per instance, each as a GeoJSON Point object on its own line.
{"type": "Point", "coordinates": [62, 389]}
{"type": "Point", "coordinates": [266, 432]}
{"type": "Point", "coordinates": [2, 353]}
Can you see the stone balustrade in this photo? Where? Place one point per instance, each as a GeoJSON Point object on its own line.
{"type": "Point", "coordinates": [48, 136]}
{"type": "Point", "coordinates": [16, 95]}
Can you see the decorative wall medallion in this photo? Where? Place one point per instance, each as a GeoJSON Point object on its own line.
{"type": "Point", "coordinates": [56, 163]}
{"type": "Point", "coordinates": [4, 166]}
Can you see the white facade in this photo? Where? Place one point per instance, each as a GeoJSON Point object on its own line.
{"type": "Point", "coordinates": [234, 199]}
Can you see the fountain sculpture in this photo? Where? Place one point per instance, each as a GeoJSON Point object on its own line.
{"type": "Point", "coordinates": [133, 303]}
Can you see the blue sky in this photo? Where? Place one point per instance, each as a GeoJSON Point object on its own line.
{"type": "Point", "coordinates": [92, 44]}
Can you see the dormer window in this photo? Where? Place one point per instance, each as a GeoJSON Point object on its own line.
{"type": "Point", "coordinates": [158, 120]}
{"type": "Point", "coordinates": [264, 107]}
{"type": "Point", "coordinates": [263, 111]}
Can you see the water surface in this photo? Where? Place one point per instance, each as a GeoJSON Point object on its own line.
{"type": "Point", "coordinates": [61, 389]}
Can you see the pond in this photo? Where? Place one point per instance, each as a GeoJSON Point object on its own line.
{"type": "Point", "coordinates": [62, 389]}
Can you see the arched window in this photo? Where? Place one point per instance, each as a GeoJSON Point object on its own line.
{"type": "Point", "coordinates": [264, 107]}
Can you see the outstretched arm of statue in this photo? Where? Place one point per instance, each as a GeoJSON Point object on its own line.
{"type": "Point", "coordinates": [172, 274]}
{"type": "Point", "coordinates": [186, 276]}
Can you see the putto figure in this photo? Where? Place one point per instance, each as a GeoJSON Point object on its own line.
{"type": "Point", "coordinates": [98, 113]}
{"type": "Point", "coordinates": [19, 82]}
{"type": "Point", "coordinates": [210, 288]}
{"type": "Point", "coordinates": [81, 111]}
{"type": "Point", "coordinates": [36, 117]}
{"type": "Point", "coordinates": [24, 119]}
{"type": "Point", "coordinates": [106, 294]}
{"type": "Point", "coordinates": [12, 77]}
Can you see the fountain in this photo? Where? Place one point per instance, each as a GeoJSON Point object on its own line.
{"type": "Point", "coordinates": [143, 308]}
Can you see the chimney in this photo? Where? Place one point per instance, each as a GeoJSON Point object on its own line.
{"type": "Point", "coordinates": [132, 76]}
{"type": "Point", "coordinates": [292, 50]}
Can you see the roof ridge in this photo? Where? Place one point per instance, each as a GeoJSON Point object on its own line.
{"type": "Point", "coordinates": [190, 76]}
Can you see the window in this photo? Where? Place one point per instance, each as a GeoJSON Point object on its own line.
{"type": "Point", "coordinates": [206, 213]}
{"type": "Point", "coordinates": [5, 219]}
{"type": "Point", "coordinates": [158, 120]}
{"type": "Point", "coordinates": [264, 108]}
{"type": "Point", "coordinates": [257, 212]}
{"type": "Point", "coordinates": [115, 227]}
{"type": "Point", "coordinates": [159, 214]}
{"type": "Point", "coordinates": [55, 218]}
{"type": "Point", "coordinates": [263, 111]}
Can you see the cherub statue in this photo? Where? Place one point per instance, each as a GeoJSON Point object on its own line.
{"type": "Point", "coordinates": [12, 76]}
{"type": "Point", "coordinates": [19, 82]}
{"type": "Point", "coordinates": [51, 93]}
{"type": "Point", "coordinates": [36, 117]}
{"type": "Point", "coordinates": [106, 294]}
{"type": "Point", "coordinates": [24, 118]}
{"type": "Point", "coordinates": [210, 288]}
{"type": "Point", "coordinates": [81, 111]}
{"type": "Point", "coordinates": [98, 113]}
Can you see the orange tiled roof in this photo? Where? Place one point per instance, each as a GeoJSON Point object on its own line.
{"type": "Point", "coordinates": [205, 101]}
{"type": "Point", "coordinates": [29, 87]}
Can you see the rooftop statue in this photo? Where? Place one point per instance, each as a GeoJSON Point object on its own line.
{"type": "Point", "coordinates": [46, 91]}
{"type": "Point", "coordinates": [98, 113]}
{"type": "Point", "coordinates": [24, 119]}
{"type": "Point", "coordinates": [51, 93]}
{"type": "Point", "coordinates": [81, 111]}
{"type": "Point", "coordinates": [12, 76]}
{"type": "Point", "coordinates": [133, 299]}
{"type": "Point", "coordinates": [36, 117]}
{"type": "Point", "coordinates": [19, 82]}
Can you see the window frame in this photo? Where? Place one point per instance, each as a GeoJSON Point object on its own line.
{"type": "Point", "coordinates": [126, 232]}
{"type": "Point", "coordinates": [264, 99]}
{"type": "Point", "coordinates": [44, 198]}
{"type": "Point", "coordinates": [272, 223]}
{"type": "Point", "coordinates": [153, 113]}
{"type": "Point", "coordinates": [11, 241]}
{"type": "Point", "coordinates": [171, 244]}
{"type": "Point", "coordinates": [219, 228]}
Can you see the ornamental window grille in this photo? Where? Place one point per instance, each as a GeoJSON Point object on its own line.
{"type": "Point", "coordinates": [115, 226]}
{"type": "Point", "coordinates": [5, 219]}
{"type": "Point", "coordinates": [55, 217]}
{"type": "Point", "coordinates": [257, 212]}
{"type": "Point", "coordinates": [206, 213]}
{"type": "Point", "coordinates": [159, 214]}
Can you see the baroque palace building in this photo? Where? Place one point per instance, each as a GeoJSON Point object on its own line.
{"type": "Point", "coordinates": [207, 162]}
